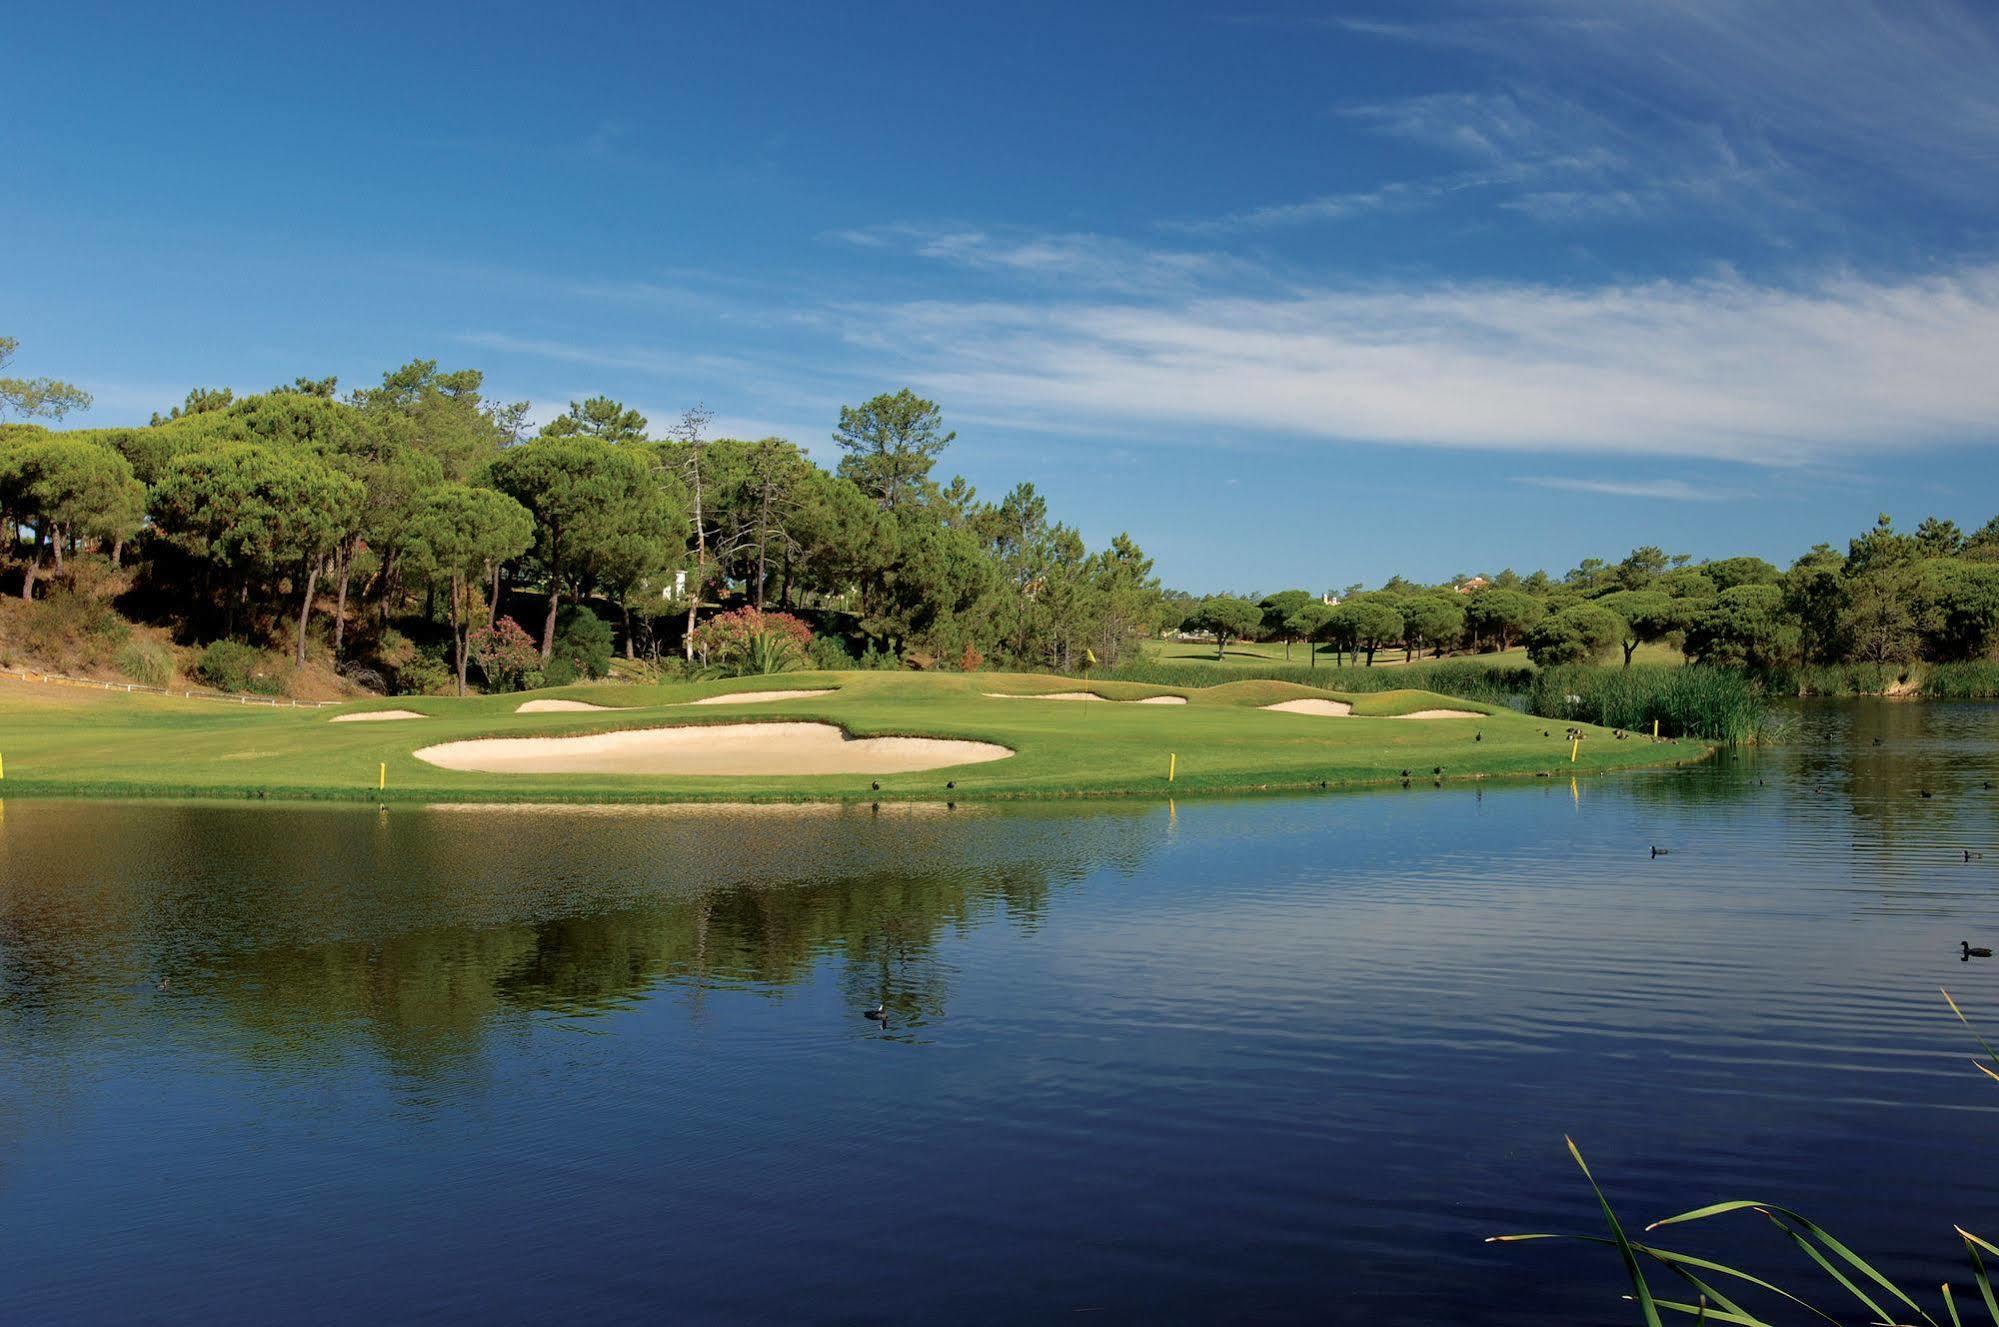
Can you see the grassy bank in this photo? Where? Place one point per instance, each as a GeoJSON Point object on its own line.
{"type": "Point", "coordinates": [57, 740]}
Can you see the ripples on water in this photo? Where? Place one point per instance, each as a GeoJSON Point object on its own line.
{"type": "Point", "coordinates": [1272, 1059]}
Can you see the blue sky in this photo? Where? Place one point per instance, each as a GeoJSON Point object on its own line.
{"type": "Point", "coordinates": [1295, 293]}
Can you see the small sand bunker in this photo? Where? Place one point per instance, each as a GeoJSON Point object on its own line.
{"type": "Point", "coordinates": [1081, 695]}
{"type": "Point", "coordinates": [1325, 709]}
{"type": "Point", "coordinates": [375, 716]}
{"type": "Point", "coordinates": [1441, 714]}
{"type": "Point", "coordinates": [731, 749]}
{"type": "Point", "coordinates": [556, 706]}
{"type": "Point", "coordinates": [756, 697]}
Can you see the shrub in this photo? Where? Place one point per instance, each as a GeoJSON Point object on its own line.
{"type": "Point", "coordinates": [505, 654]}
{"type": "Point", "coordinates": [582, 641]}
{"type": "Point", "coordinates": [146, 663]}
{"type": "Point", "coordinates": [69, 628]}
{"type": "Point", "coordinates": [829, 654]}
{"type": "Point", "coordinates": [971, 660]}
{"type": "Point", "coordinates": [557, 672]}
{"type": "Point", "coordinates": [230, 665]}
{"type": "Point", "coordinates": [744, 642]}
{"type": "Point", "coordinates": [424, 675]}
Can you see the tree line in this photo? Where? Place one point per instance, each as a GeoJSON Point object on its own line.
{"type": "Point", "coordinates": [1891, 597]}
{"type": "Point", "coordinates": [333, 524]}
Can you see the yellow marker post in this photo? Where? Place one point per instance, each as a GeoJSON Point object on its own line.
{"type": "Point", "coordinates": [1575, 745]}
{"type": "Point", "coordinates": [3, 769]}
{"type": "Point", "coordinates": [382, 776]}
{"type": "Point", "coordinates": [1655, 730]}
{"type": "Point", "coordinates": [1172, 765]}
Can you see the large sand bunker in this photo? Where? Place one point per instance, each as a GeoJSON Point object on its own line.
{"type": "Point", "coordinates": [556, 706]}
{"type": "Point", "coordinates": [732, 749]}
{"type": "Point", "coordinates": [1325, 709]}
{"type": "Point", "coordinates": [1441, 714]}
{"type": "Point", "coordinates": [752, 697]}
{"type": "Point", "coordinates": [1081, 695]}
{"type": "Point", "coordinates": [375, 716]}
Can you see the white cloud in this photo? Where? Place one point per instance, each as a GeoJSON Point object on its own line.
{"type": "Point", "coordinates": [1666, 490]}
{"type": "Point", "coordinates": [1070, 259]}
{"type": "Point", "coordinates": [1721, 368]}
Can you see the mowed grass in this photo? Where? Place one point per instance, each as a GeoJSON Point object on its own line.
{"type": "Point", "coordinates": [62, 740]}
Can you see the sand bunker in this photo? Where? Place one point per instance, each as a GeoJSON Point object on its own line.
{"type": "Point", "coordinates": [556, 706]}
{"type": "Point", "coordinates": [1325, 709]}
{"type": "Point", "coordinates": [753, 697]}
{"type": "Point", "coordinates": [1081, 695]}
{"type": "Point", "coordinates": [375, 716]}
{"type": "Point", "coordinates": [1440, 714]}
{"type": "Point", "coordinates": [739, 748]}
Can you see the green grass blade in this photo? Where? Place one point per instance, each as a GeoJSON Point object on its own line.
{"type": "Point", "coordinates": [1706, 1314]}
{"type": "Point", "coordinates": [1951, 1305]}
{"type": "Point", "coordinates": [1639, 1290]}
{"type": "Point", "coordinates": [1971, 1245]}
{"type": "Point", "coordinates": [1880, 1314]}
{"type": "Point", "coordinates": [1972, 1030]}
{"type": "Point", "coordinates": [1820, 1234]}
{"type": "Point", "coordinates": [1676, 1261]}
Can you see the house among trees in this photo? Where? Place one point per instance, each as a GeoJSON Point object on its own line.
{"type": "Point", "coordinates": [1473, 586]}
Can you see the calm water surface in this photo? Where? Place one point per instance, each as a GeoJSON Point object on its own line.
{"type": "Point", "coordinates": [1259, 1060]}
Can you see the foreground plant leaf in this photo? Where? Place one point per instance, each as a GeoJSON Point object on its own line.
{"type": "Point", "coordinates": [1824, 1237]}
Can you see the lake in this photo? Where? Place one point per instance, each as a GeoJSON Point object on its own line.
{"type": "Point", "coordinates": [1284, 1059]}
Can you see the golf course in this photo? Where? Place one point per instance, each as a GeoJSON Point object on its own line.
{"type": "Point", "coordinates": [799, 737]}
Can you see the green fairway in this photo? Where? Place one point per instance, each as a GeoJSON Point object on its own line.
{"type": "Point", "coordinates": [73, 741]}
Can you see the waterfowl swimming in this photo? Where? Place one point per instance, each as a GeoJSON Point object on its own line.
{"type": "Point", "coordinates": [1970, 952]}
{"type": "Point", "coordinates": [1658, 851]}
{"type": "Point", "coordinates": [1925, 794]}
{"type": "Point", "coordinates": [1971, 856]}
{"type": "Point", "coordinates": [166, 983]}
{"type": "Point", "coordinates": [879, 1013]}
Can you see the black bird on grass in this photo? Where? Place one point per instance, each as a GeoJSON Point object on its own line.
{"type": "Point", "coordinates": [876, 786]}
{"type": "Point", "coordinates": [1438, 770]}
{"type": "Point", "coordinates": [950, 783]}
{"type": "Point", "coordinates": [1971, 951]}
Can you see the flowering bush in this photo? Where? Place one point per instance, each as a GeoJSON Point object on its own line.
{"type": "Point", "coordinates": [505, 653]}
{"type": "Point", "coordinates": [745, 641]}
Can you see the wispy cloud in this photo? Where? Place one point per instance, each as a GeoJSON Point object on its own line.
{"type": "Point", "coordinates": [1663, 490]}
{"type": "Point", "coordinates": [1722, 368]}
{"type": "Point", "coordinates": [1903, 88]}
{"type": "Point", "coordinates": [1069, 259]}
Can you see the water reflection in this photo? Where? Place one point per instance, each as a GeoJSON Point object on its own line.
{"type": "Point", "coordinates": [291, 928]}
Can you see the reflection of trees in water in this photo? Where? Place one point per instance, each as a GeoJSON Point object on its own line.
{"type": "Point", "coordinates": [294, 934]}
